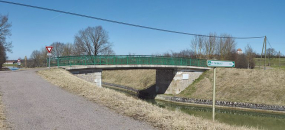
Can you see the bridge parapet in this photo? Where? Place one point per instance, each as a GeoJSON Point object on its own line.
{"type": "Point", "coordinates": [126, 60]}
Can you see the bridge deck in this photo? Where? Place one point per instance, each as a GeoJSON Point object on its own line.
{"type": "Point", "coordinates": [110, 67]}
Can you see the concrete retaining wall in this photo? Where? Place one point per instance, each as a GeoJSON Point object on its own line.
{"type": "Point", "coordinates": [93, 76]}
{"type": "Point", "coordinates": [223, 103]}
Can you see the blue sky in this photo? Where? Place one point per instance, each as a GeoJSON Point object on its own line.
{"type": "Point", "coordinates": [33, 29]}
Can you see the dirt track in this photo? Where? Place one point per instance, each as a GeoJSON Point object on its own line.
{"type": "Point", "coordinates": [33, 103]}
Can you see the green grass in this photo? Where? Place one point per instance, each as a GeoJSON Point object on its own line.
{"type": "Point", "coordinates": [272, 62]}
{"type": "Point", "coordinates": [192, 87]}
{"type": "Point", "coordinates": [8, 65]}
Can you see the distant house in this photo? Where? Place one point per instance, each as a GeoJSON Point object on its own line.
{"type": "Point", "coordinates": [239, 51]}
{"type": "Point", "coordinates": [10, 62]}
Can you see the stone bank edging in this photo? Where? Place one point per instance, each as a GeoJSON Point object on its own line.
{"type": "Point", "coordinates": [224, 103]}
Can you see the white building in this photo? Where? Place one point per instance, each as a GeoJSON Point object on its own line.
{"type": "Point", "coordinates": [239, 51]}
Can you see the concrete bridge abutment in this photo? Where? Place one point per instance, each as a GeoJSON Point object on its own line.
{"type": "Point", "coordinates": [174, 81]}
{"type": "Point", "coordinates": [92, 75]}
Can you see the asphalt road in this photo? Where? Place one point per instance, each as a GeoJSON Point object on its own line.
{"type": "Point", "coordinates": [31, 103]}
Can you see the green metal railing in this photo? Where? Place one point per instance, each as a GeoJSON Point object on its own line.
{"type": "Point", "coordinates": [126, 60]}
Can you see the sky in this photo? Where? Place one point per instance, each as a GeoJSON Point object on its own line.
{"type": "Point", "coordinates": [33, 29]}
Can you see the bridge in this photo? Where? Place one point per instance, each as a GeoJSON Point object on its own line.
{"type": "Point", "coordinates": [173, 74]}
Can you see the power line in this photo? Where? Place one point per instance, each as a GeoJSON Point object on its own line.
{"type": "Point", "coordinates": [269, 42]}
{"type": "Point", "coordinates": [123, 23]}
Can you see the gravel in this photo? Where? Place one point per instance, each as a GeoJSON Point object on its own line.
{"type": "Point", "coordinates": [33, 103]}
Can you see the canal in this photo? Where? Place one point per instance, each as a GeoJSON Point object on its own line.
{"type": "Point", "coordinates": [261, 120]}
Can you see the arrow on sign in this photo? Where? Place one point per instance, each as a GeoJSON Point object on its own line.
{"type": "Point", "coordinates": [49, 48]}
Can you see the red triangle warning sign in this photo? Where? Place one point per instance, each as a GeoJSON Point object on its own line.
{"type": "Point", "coordinates": [49, 48]}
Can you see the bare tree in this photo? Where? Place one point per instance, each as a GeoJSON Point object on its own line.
{"type": "Point", "coordinates": [197, 45]}
{"type": "Point", "coordinates": [38, 58]}
{"type": "Point", "coordinates": [201, 40]}
{"type": "Point", "coordinates": [58, 49]}
{"type": "Point", "coordinates": [4, 33]}
{"type": "Point", "coordinates": [226, 47]}
{"type": "Point", "coordinates": [270, 52]}
{"type": "Point", "coordinates": [68, 50]}
{"type": "Point", "coordinates": [250, 55]}
{"type": "Point", "coordinates": [35, 58]}
{"type": "Point", "coordinates": [210, 45]}
{"type": "Point", "coordinates": [194, 46]}
{"type": "Point", "coordinates": [93, 41]}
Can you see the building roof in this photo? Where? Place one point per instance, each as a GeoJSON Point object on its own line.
{"type": "Point", "coordinates": [239, 49]}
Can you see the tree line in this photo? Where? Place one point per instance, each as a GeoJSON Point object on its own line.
{"type": "Point", "coordinates": [217, 47]}
{"type": "Point", "coordinates": [88, 41]}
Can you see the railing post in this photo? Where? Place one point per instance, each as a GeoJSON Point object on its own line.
{"type": "Point", "coordinates": [198, 62]}
{"type": "Point", "coordinates": [57, 62]}
{"type": "Point", "coordinates": [127, 60]}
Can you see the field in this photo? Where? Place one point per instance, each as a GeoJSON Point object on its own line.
{"type": "Point", "coordinates": [273, 62]}
{"type": "Point", "coordinates": [129, 106]}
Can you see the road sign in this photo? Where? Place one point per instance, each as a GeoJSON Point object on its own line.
{"type": "Point", "coordinates": [19, 62]}
{"type": "Point", "coordinates": [49, 54]}
{"type": "Point", "coordinates": [215, 63]}
{"type": "Point", "coordinates": [49, 48]}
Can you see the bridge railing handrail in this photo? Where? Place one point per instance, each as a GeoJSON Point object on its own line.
{"type": "Point", "coordinates": [126, 60]}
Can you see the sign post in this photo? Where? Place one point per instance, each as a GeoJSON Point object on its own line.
{"type": "Point", "coordinates": [19, 63]}
{"type": "Point", "coordinates": [215, 64]}
{"type": "Point", "coordinates": [49, 48]}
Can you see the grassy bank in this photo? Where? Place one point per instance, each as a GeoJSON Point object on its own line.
{"type": "Point", "coordinates": [137, 79]}
{"type": "Point", "coordinates": [241, 85]}
{"type": "Point", "coordinates": [137, 109]}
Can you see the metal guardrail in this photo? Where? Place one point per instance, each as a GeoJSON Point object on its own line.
{"type": "Point", "coordinates": [126, 60]}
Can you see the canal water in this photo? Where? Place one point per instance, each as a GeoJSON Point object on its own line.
{"type": "Point", "coordinates": [262, 120]}
{"type": "Point", "coordinates": [13, 68]}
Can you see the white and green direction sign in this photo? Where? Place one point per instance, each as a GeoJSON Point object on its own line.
{"type": "Point", "coordinates": [215, 63]}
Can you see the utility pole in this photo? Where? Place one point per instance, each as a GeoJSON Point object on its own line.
{"type": "Point", "coordinates": [264, 52]}
{"type": "Point", "coordinates": [214, 95]}
{"type": "Point", "coordinates": [261, 55]}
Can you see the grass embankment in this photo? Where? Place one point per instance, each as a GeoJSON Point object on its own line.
{"type": "Point", "coordinates": [241, 85]}
{"type": "Point", "coordinates": [137, 79]}
{"type": "Point", "coordinates": [135, 108]}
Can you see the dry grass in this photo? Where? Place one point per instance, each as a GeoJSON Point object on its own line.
{"type": "Point", "coordinates": [137, 109]}
{"type": "Point", "coordinates": [137, 79]}
{"type": "Point", "coordinates": [3, 124]}
{"type": "Point", "coordinates": [242, 85]}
